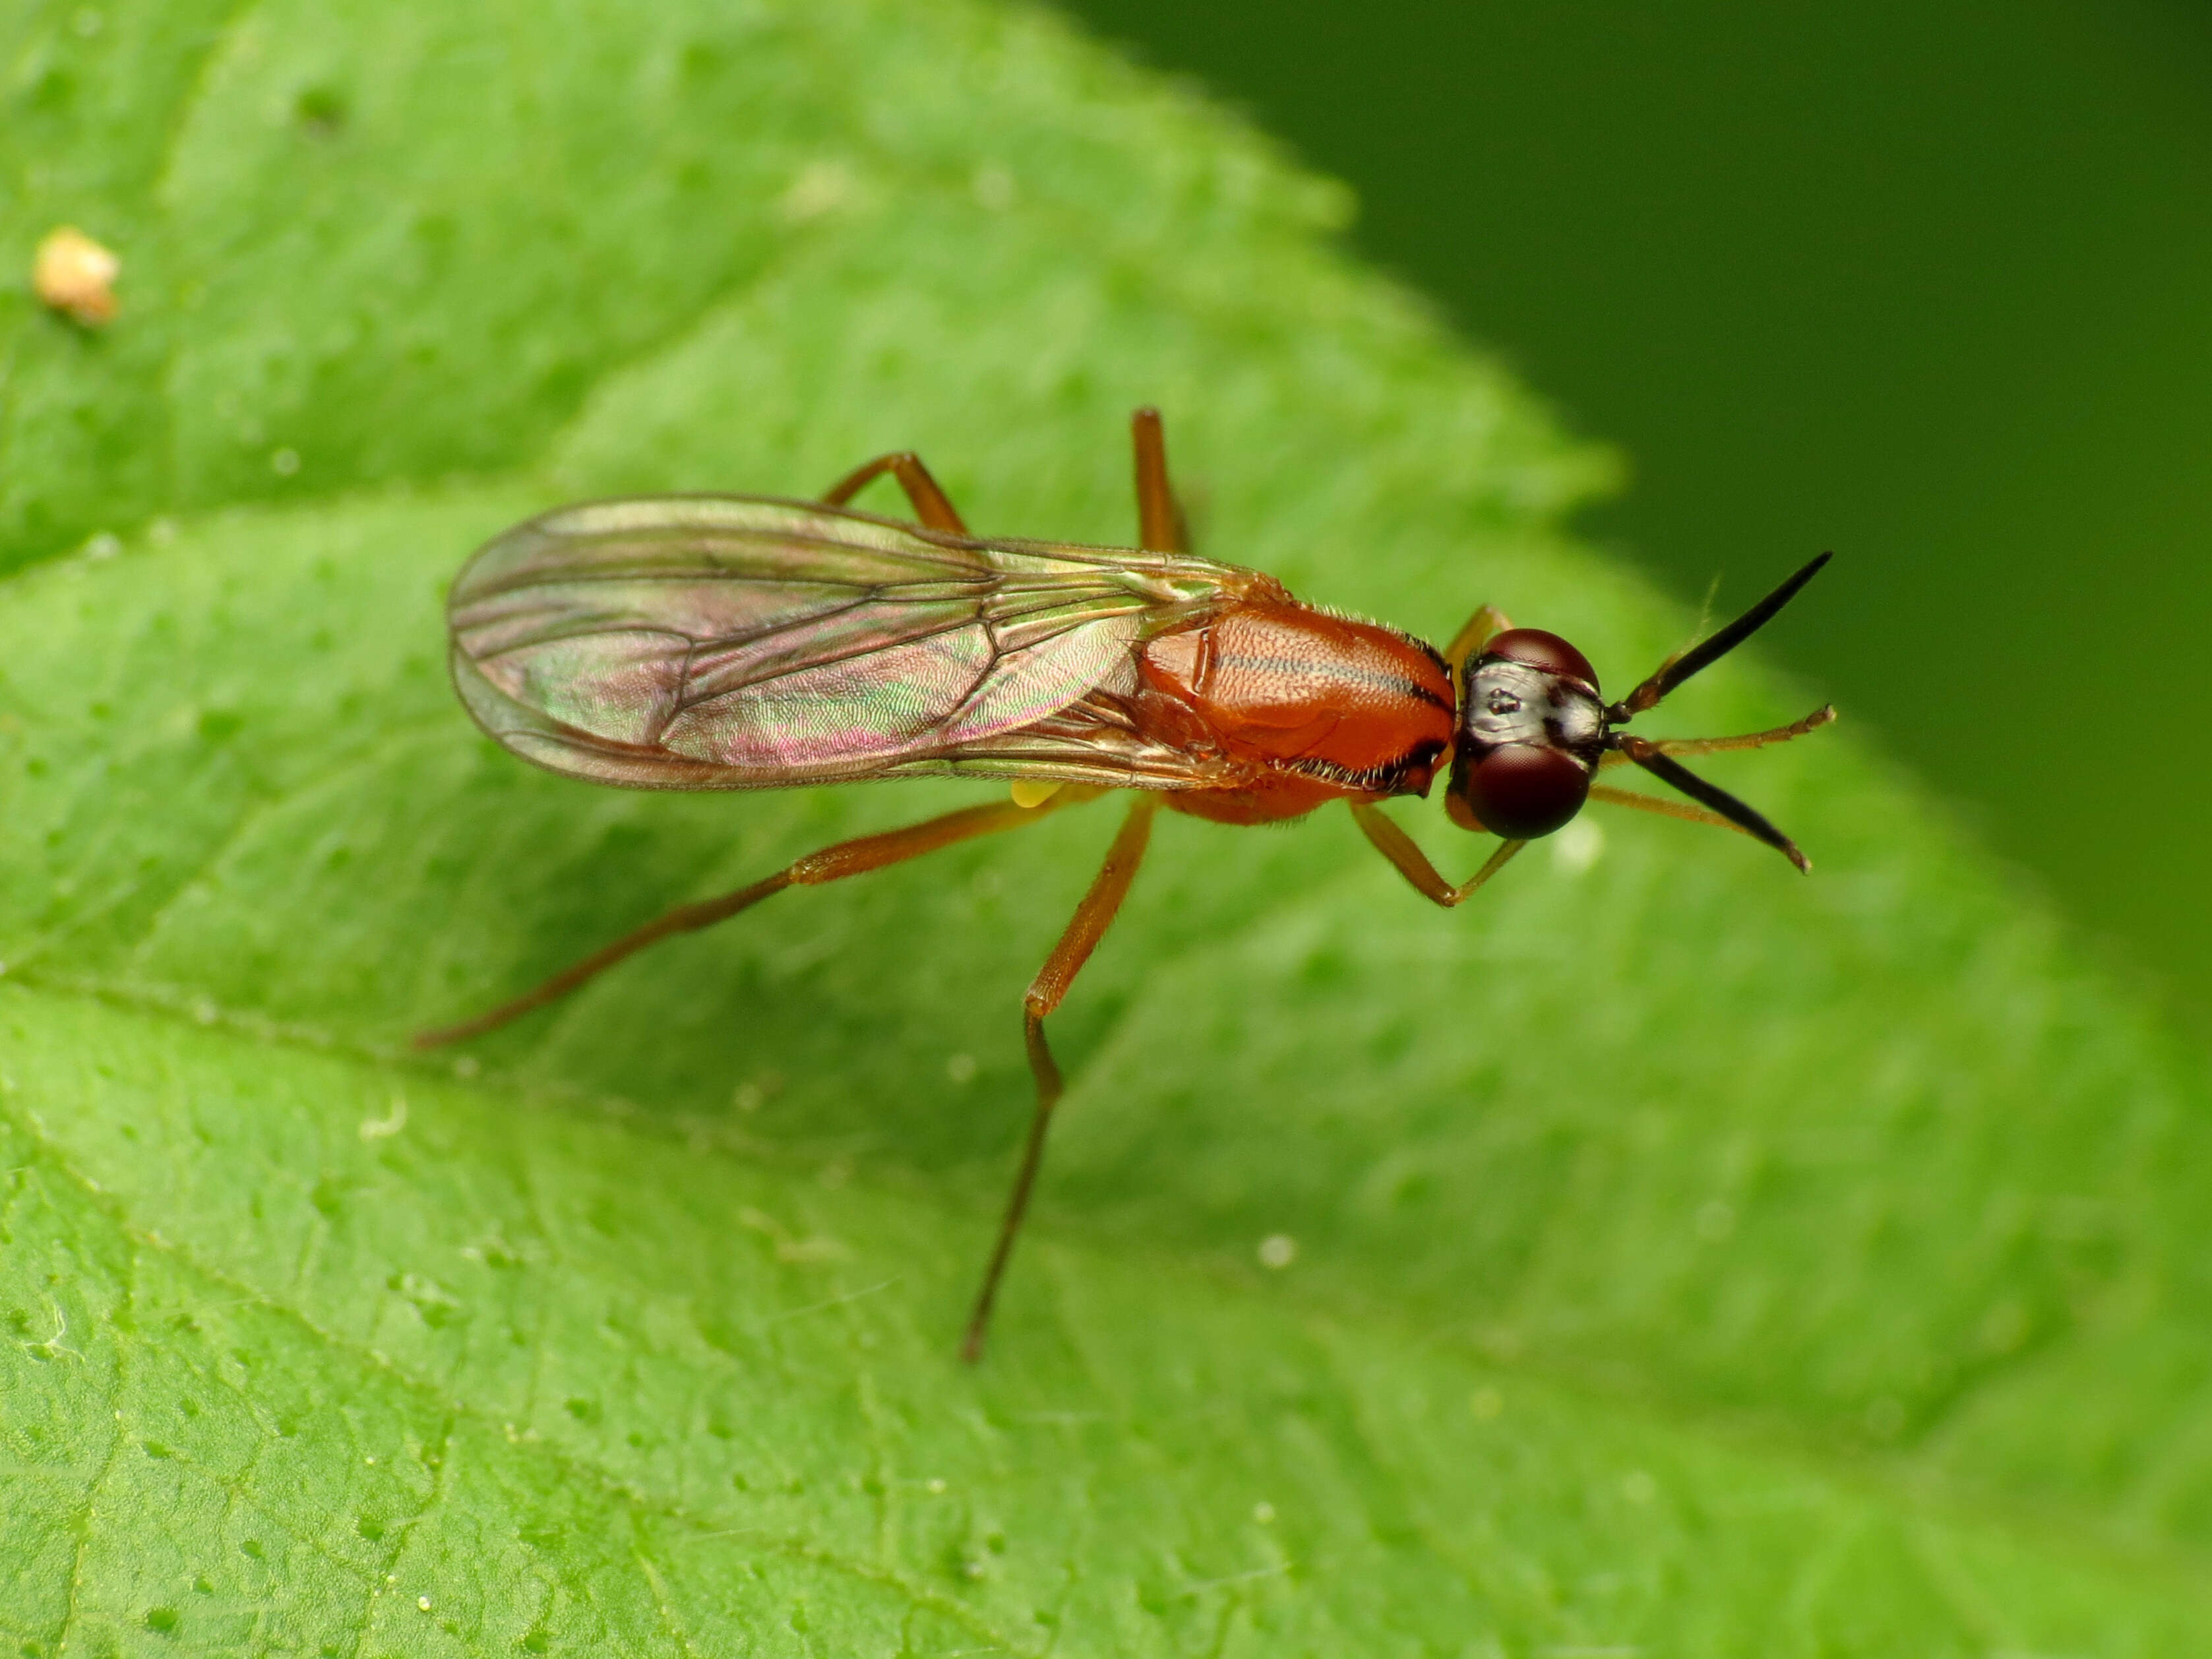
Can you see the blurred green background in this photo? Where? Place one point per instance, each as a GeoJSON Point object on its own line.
{"type": "Point", "coordinates": [1924, 282]}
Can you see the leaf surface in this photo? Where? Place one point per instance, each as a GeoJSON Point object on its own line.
{"type": "Point", "coordinates": [1688, 1258]}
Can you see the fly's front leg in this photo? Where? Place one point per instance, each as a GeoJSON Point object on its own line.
{"type": "Point", "coordinates": [1796, 728]}
{"type": "Point", "coordinates": [1666, 809]}
{"type": "Point", "coordinates": [1092, 918]}
{"type": "Point", "coordinates": [834, 863]}
{"type": "Point", "coordinates": [1411, 862]}
{"type": "Point", "coordinates": [931, 505]}
{"type": "Point", "coordinates": [1478, 629]}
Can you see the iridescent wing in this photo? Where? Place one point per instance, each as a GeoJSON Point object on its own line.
{"type": "Point", "coordinates": [741, 642]}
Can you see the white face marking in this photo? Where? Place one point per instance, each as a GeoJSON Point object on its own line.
{"type": "Point", "coordinates": [1514, 703]}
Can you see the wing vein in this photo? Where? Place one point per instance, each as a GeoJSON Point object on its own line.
{"type": "Point", "coordinates": [706, 642]}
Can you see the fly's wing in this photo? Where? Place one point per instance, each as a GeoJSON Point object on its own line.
{"type": "Point", "coordinates": [737, 642]}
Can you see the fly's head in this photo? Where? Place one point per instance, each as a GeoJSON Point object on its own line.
{"type": "Point", "coordinates": [1531, 731]}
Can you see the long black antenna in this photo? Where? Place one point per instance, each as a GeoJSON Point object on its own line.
{"type": "Point", "coordinates": [1655, 760]}
{"type": "Point", "coordinates": [1675, 669]}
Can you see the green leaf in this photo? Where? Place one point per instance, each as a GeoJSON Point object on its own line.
{"type": "Point", "coordinates": [1689, 1258]}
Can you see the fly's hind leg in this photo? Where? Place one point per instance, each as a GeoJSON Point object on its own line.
{"type": "Point", "coordinates": [931, 505]}
{"type": "Point", "coordinates": [1092, 918]}
{"type": "Point", "coordinates": [846, 858]}
{"type": "Point", "coordinates": [1161, 527]}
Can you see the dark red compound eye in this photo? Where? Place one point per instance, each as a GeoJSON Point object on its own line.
{"type": "Point", "coordinates": [1520, 791]}
{"type": "Point", "coordinates": [1540, 650]}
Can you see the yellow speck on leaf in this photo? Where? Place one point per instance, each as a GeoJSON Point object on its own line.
{"type": "Point", "coordinates": [75, 275]}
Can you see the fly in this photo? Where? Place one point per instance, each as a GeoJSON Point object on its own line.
{"type": "Point", "coordinates": [747, 643]}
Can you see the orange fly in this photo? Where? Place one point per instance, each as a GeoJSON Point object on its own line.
{"type": "Point", "coordinates": [747, 643]}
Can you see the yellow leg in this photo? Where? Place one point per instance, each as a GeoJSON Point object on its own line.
{"type": "Point", "coordinates": [1665, 809]}
{"type": "Point", "coordinates": [847, 858]}
{"type": "Point", "coordinates": [1812, 722]}
{"type": "Point", "coordinates": [930, 503]}
{"type": "Point", "coordinates": [1160, 527]}
{"type": "Point", "coordinates": [1411, 862]}
{"type": "Point", "coordinates": [1480, 626]}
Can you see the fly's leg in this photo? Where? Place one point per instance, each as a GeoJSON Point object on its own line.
{"type": "Point", "coordinates": [1812, 722]}
{"type": "Point", "coordinates": [846, 858]}
{"type": "Point", "coordinates": [1160, 524]}
{"type": "Point", "coordinates": [1652, 754]}
{"type": "Point", "coordinates": [1464, 644]}
{"type": "Point", "coordinates": [930, 504]}
{"type": "Point", "coordinates": [1092, 918]}
{"type": "Point", "coordinates": [1664, 808]}
{"type": "Point", "coordinates": [1411, 862]}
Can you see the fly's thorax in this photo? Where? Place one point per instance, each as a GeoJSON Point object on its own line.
{"type": "Point", "coordinates": [1362, 708]}
{"type": "Point", "coordinates": [1531, 731]}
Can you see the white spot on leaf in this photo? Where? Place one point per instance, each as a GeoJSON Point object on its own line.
{"type": "Point", "coordinates": [381, 1128]}
{"type": "Point", "coordinates": [1577, 846]}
